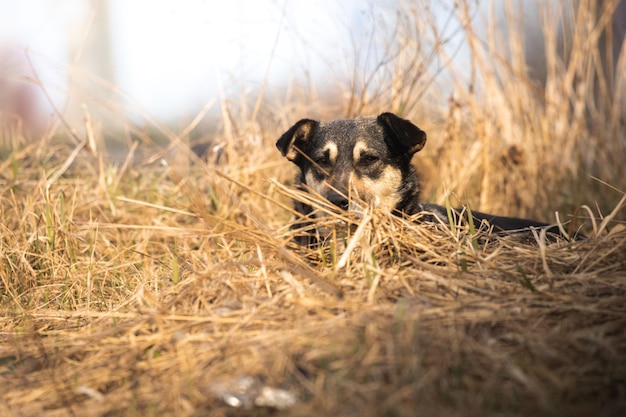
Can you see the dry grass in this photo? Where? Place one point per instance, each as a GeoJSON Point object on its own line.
{"type": "Point", "coordinates": [136, 288]}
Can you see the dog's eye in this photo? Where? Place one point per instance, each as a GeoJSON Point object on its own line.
{"type": "Point", "coordinates": [369, 159]}
{"type": "Point", "coordinates": [322, 161]}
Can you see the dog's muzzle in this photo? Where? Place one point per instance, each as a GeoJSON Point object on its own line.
{"type": "Point", "coordinates": [338, 199]}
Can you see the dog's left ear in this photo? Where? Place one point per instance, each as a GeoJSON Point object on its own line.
{"type": "Point", "coordinates": [297, 135]}
{"type": "Point", "coordinates": [409, 138]}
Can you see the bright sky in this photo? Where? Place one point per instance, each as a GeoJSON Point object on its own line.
{"type": "Point", "coordinates": [172, 57]}
{"type": "Point", "coordinates": [189, 48]}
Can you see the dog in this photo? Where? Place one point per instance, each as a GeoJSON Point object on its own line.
{"type": "Point", "coordinates": [368, 159]}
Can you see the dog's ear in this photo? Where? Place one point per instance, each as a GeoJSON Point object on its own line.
{"type": "Point", "coordinates": [297, 135]}
{"type": "Point", "coordinates": [408, 137]}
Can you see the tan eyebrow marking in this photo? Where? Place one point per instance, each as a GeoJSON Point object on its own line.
{"type": "Point", "coordinates": [332, 150]}
{"type": "Point", "coordinates": [359, 148]}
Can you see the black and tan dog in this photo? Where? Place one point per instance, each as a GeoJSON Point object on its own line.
{"type": "Point", "coordinates": [368, 159]}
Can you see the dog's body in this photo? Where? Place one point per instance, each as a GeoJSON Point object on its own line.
{"type": "Point", "coordinates": [369, 159]}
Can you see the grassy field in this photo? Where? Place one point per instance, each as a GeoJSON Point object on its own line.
{"type": "Point", "coordinates": [166, 284]}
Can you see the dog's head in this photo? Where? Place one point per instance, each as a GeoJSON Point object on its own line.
{"type": "Point", "coordinates": [347, 160]}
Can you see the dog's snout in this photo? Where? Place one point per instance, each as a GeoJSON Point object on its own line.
{"type": "Point", "coordinates": [338, 200]}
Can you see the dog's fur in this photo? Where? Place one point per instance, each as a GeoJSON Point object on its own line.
{"type": "Point", "coordinates": [369, 159]}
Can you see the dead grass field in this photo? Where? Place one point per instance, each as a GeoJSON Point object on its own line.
{"type": "Point", "coordinates": [136, 288]}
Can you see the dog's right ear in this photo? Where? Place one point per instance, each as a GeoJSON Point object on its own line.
{"type": "Point", "coordinates": [295, 137]}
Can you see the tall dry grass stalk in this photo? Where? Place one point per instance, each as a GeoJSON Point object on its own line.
{"type": "Point", "coordinates": [151, 286]}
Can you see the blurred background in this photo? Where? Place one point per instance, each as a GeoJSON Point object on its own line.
{"type": "Point", "coordinates": [169, 59]}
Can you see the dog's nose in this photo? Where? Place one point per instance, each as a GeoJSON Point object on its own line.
{"type": "Point", "coordinates": [339, 200]}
